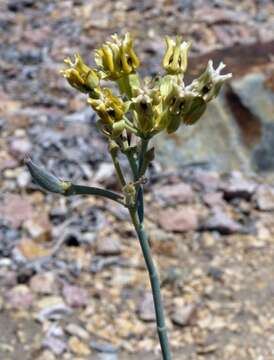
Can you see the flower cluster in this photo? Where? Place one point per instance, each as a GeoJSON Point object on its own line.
{"type": "Point", "coordinates": [148, 107]}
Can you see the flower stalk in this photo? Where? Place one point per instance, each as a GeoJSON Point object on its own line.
{"type": "Point", "coordinates": [129, 117]}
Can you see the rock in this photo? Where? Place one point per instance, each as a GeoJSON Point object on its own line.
{"type": "Point", "coordinates": [105, 174]}
{"type": "Point", "coordinates": [107, 356]}
{"type": "Point", "coordinates": [146, 308]}
{"type": "Point", "coordinates": [174, 194]}
{"type": "Point", "coordinates": [7, 161]}
{"type": "Point", "coordinates": [57, 346]}
{"type": "Point", "coordinates": [178, 220]}
{"type": "Point", "coordinates": [254, 93]}
{"type": "Point", "coordinates": [183, 315]}
{"type": "Point", "coordinates": [206, 143]}
{"type": "Point", "coordinates": [20, 148]}
{"type": "Point", "coordinates": [76, 330]}
{"type": "Point", "coordinates": [265, 198]}
{"type": "Point", "coordinates": [213, 198]}
{"type": "Point", "coordinates": [45, 283]}
{"type": "Point", "coordinates": [7, 277]}
{"type": "Point", "coordinates": [46, 355]}
{"type": "Point", "coordinates": [54, 311]}
{"type": "Point", "coordinates": [78, 347]}
{"type": "Point", "coordinates": [19, 297]}
{"type": "Point", "coordinates": [31, 249]}
{"type": "Point", "coordinates": [222, 223]}
{"type": "Point", "coordinates": [23, 179]}
{"type": "Point", "coordinates": [108, 246]}
{"type": "Point", "coordinates": [215, 273]}
{"type": "Point", "coordinates": [208, 181]}
{"type": "Point", "coordinates": [75, 296]}
{"type": "Point", "coordinates": [103, 347]}
{"type": "Point", "coordinates": [39, 227]}
{"type": "Point", "coordinates": [16, 209]}
{"type": "Point", "coordinates": [238, 187]}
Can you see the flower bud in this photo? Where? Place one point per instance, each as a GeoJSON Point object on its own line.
{"type": "Point", "coordinates": [109, 107]}
{"type": "Point", "coordinates": [175, 58]}
{"type": "Point", "coordinates": [45, 179]}
{"type": "Point", "coordinates": [117, 58]}
{"type": "Point", "coordinates": [80, 76]}
{"type": "Point", "coordinates": [194, 110]}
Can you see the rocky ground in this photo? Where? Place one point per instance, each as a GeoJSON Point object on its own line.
{"type": "Point", "coordinates": [73, 281]}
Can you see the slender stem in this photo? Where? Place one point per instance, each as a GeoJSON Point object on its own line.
{"type": "Point", "coordinates": [144, 145]}
{"type": "Point", "coordinates": [133, 164]}
{"type": "Point", "coordinates": [155, 285]}
{"type": "Point", "coordinates": [118, 169]}
{"type": "Point", "coordinates": [90, 190]}
{"type": "Point", "coordinates": [141, 171]}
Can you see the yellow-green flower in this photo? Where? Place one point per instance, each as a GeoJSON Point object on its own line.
{"type": "Point", "coordinates": [175, 58]}
{"type": "Point", "coordinates": [110, 108]}
{"type": "Point", "coordinates": [145, 105]}
{"type": "Point", "coordinates": [79, 75]}
{"type": "Point", "coordinates": [209, 83]}
{"type": "Point", "coordinates": [117, 58]}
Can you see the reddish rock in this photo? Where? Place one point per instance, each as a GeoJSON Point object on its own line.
{"type": "Point", "coordinates": [16, 209]}
{"type": "Point", "coordinates": [20, 148]}
{"type": "Point", "coordinates": [108, 246]}
{"type": "Point", "coordinates": [75, 296]}
{"type": "Point", "coordinates": [174, 194]}
{"type": "Point", "coordinates": [19, 297]}
{"type": "Point", "coordinates": [179, 220]}
{"type": "Point", "coordinates": [213, 198]}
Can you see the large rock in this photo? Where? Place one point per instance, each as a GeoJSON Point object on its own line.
{"type": "Point", "coordinates": [208, 142]}
{"type": "Point", "coordinates": [255, 116]}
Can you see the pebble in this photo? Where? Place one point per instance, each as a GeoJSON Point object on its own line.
{"type": "Point", "coordinates": [108, 246]}
{"type": "Point", "coordinates": [146, 308]}
{"type": "Point", "coordinates": [183, 315]}
{"type": "Point", "coordinates": [20, 148]}
{"type": "Point", "coordinates": [265, 198]}
{"type": "Point", "coordinates": [16, 209]}
{"type": "Point", "coordinates": [174, 194]}
{"type": "Point", "coordinates": [52, 308]}
{"type": "Point", "coordinates": [222, 223]}
{"type": "Point", "coordinates": [57, 346]}
{"type": "Point", "coordinates": [39, 227]}
{"type": "Point", "coordinates": [178, 220]}
{"type": "Point", "coordinates": [75, 296]}
{"type": "Point", "coordinates": [78, 347]}
{"type": "Point", "coordinates": [45, 283]}
{"type": "Point", "coordinates": [76, 330]}
{"type": "Point", "coordinates": [19, 297]}
{"type": "Point", "coordinates": [103, 347]}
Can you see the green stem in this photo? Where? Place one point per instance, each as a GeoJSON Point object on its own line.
{"type": "Point", "coordinates": [141, 171]}
{"type": "Point", "coordinates": [155, 285]}
{"type": "Point", "coordinates": [133, 164]}
{"type": "Point", "coordinates": [89, 190]}
{"type": "Point", "coordinates": [118, 169]}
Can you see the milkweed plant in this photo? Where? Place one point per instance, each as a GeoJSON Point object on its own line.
{"type": "Point", "coordinates": [129, 117]}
